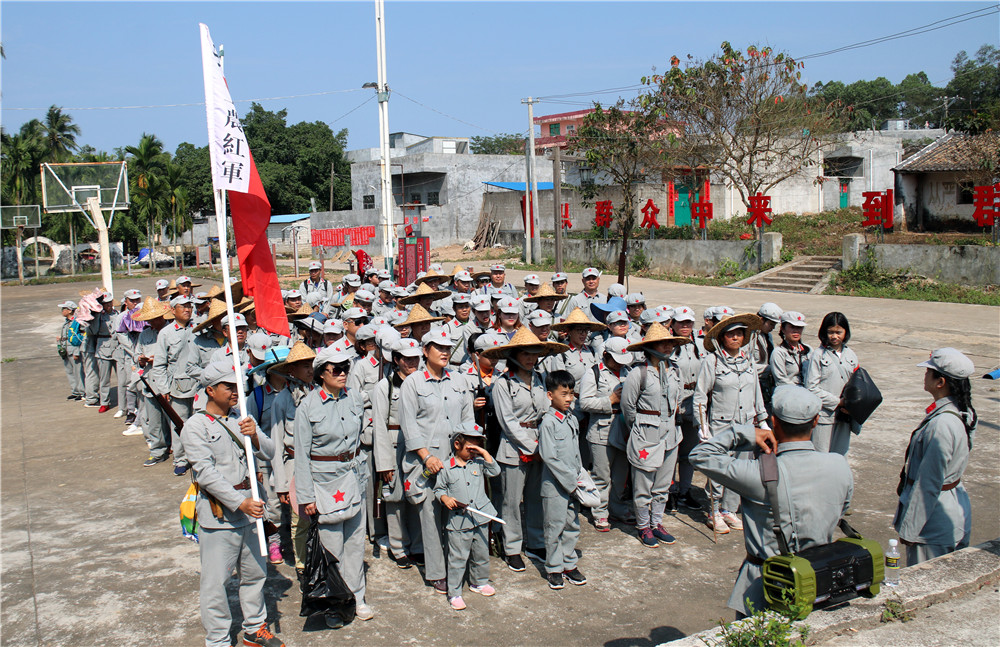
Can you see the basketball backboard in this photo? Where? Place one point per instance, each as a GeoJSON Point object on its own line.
{"type": "Point", "coordinates": [66, 187]}
{"type": "Point", "coordinates": [28, 216]}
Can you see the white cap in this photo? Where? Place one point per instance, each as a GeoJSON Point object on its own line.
{"type": "Point", "coordinates": [635, 298]}
{"type": "Point", "coordinates": [436, 267]}
{"type": "Point", "coordinates": [386, 285]}
{"type": "Point", "coordinates": [257, 344]}
{"type": "Point", "coordinates": [365, 332]}
{"type": "Point", "coordinates": [591, 271]}
{"type": "Point", "coordinates": [354, 313]}
{"type": "Point", "coordinates": [315, 265]}
{"type": "Point", "coordinates": [162, 283]}
{"type": "Point", "coordinates": [353, 280]}
{"type": "Point", "coordinates": [333, 354]}
{"type": "Point", "coordinates": [654, 316]}
{"type": "Point", "coordinates": [616, 290]}
{"type": "Point", "coordinates": [489, 340]}
{"type": "Point", "coordinates": [218, 372]}
{"type": "Point", "coordinates": [532, 279]}
{"type": "Point", "coordinates": [498, 267]}
{"type": "Point", "coordinates": [559, 276]}
{"type": "Point", "coordinates": [364, 295]}
{"type": "Point", "coordinates": [293, 294]}
{"type": "Point", "coordinates": [461, 298]}
{"type": "Point", "coordinates": [241, 321]}
{"type": "Point", "coordinates": [770, 311]}
{"type": "Point", "coordinates": [183, 279]}
{"type": "Point", "coordinates": [509, 306]}
{"type": "Point", "coordinates": [462, 276]}
{"type": "Point", "coordinates": [616, 315]}
{"type": "Point", "coordinates": [539, 318]}
{"type": "Point", "coordinates": [133, 294]}
{"type": "Point", "coordinates": [950, 362]}
{"type": "Point", "coordinates": [180, 301]}
{"type": "Point", "coordinates": [438, 335]}
{"type": "Point", "coordinates": [333, 327]}
{"type": "Point", "coordinates": [384, 274]}
{"type": "Point", "coordinates": [407, 348]}
{"type": "Point", "coordinates": [68, 304]}
{"type": "Point", "coordinates": [481, 304]}
{"type": "Point", "coordinates": [794, 404]}
{"type": "Point", "coordinates": [616, 349]}
{"type": "Point", "coordinates": [684, 313]}
{"type": "Point", "coordinates": [793, 318]}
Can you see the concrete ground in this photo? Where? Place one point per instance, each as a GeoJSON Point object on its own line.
{"type": "Point", "coordinates": [92, 552]}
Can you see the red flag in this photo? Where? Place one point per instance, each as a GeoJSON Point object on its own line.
{"type": "Point", "coordinates": [251, 213]}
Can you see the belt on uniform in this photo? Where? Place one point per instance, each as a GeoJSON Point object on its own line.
{"type": "Point", "coordinates": [944, 488]}
{"type": "Point", "coordinates": [648, 412]}
{"type": "Point", "coordinates": [102, 336]}
{"type": "Point", "coordinates": [290, 452]}
{"type": "Point", "coordinates": [615, 408]}
{"type": "Point", "coordinates": [340, 458]}
{"type": "Point", "coordinates": [753, 559]}
{"type": "Point", "coordinates": [243, 485]}
{"type": "Point", "coordinates": [533, 424]}
{"type": "Point", "coordinates": [689, 386]}
{"type": "Point", "coordinates": [392, 427]}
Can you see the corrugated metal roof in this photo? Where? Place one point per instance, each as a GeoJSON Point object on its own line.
{"type": "Point", "coordinates": [288, 218]}
{"type": "Point", "coordinates": [952, 152]}
{"type": "Point", "coordinates": [519, 186]}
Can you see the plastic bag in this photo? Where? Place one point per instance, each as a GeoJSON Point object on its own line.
{"type": "Point", "coordinates": [323, 587]}
{"type": "Point", "coordinates": [861, 396]}
{"type": "Point", "coordinates": [189, 515]}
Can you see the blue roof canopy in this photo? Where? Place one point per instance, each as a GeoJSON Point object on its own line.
{"type": "Point", "coordinates": [288, 218]}
{"type": "Point", "coordinates": [519, 186]}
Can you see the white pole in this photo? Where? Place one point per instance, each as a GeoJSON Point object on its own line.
{"type": "Point", "coordinates": [536, 241]}
{"type": "Point", "coordinates": [388, 236]}
{"type": "Point", "coordinates": [527, 201]}
{"type": "Point", "coordinates": [102, 239]}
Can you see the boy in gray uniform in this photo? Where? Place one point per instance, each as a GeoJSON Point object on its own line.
{"type": "Point", "coordinates": [70, 354]}
{"type": "Point", "coordinates": [100, 346]}
{"type": "Point", "coordinates": [814, 488]}
{"type": "Point", "coordinates": [559, 449]}
{"type": "Point", "coordinates": [226, 513]}
{"type": "Point", "coordinates": [168, 377]}
{"type": "Point", "coordinates": [459, 486]}
{"type": "Point", "coordinates": [124, 356]}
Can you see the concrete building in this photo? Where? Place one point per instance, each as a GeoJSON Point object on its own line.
{"type": "Point", "coordinates": [279, 232]}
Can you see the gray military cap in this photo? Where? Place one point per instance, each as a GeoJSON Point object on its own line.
{"type": "Point", "coordinates": [795, 404]}
{"type": "Point", "coordinates": [469, 430]}
{"type": "Point", "coordinates": [365, 332]}
{"type": "Point", "coordinates": [770, 311]}
{"type": "Point", "coordinates": [539, 318]}
{"type": "Point", "coordinates": [218, 372]}
{"type": "Point", "coordinates": [950, 362]}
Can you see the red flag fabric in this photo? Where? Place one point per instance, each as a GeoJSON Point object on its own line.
{"type": "Point", "coordinates": [251, 213]}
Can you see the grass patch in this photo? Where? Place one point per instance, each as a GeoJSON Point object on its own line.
{"type": "Point", "coordinates": [8, 360]}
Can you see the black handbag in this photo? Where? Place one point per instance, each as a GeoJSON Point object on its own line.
{"type": "Point", "coordinates": [323, 587]}
{"type": "Point", "coordinates": [861, 396]}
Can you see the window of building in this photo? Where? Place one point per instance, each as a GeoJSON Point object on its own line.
{"type": "Point", "coordinates": [414, 198]}
{"type": "Point", "coordinates": [553, 130]}
{"type": "Point", "coordinates": [432, 197]}
{"type": "Point", "coordinates": [570, 129]}
{"type": "Point", "coordinates": [368, 201]}
{"type": "Point", "coordinates": [449, 146]}
{"type": "Point", "coordinates": [965, 193]}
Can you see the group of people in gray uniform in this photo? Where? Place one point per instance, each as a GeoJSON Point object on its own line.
{"type": "Point", "coordinates": [458, 417]}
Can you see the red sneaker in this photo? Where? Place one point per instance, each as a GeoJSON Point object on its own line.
{"type": "Point", "coordinates": [104, 408]}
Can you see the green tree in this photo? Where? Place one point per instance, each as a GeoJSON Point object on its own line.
{"type": "Point", "coordinates": [868, 103]}
{"type": "Point", "coordinates": [149, 200]}
{"type": "Point", "coordinates": [918, 99]}
{"type": "Point", "coordinates": [60, 134]}
{"type": "Point", "coordinates": [976, 84]}
{"type": "Point", "coordinates": [499, 144]}
{"type": "Point", "coordinates": [196, 176]}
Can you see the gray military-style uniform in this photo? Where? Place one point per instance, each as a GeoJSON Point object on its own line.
{"type": "Point", "coordinates": [154, 422]}
{"type": "Point", "coordinates": [219, 466]}
{"type": "Point", "coordinates": [814, 491]}
{"type": "Point", "coordinates": [364, 374]}
{"type": "Point", "coordinates": [200, 351]}
{"type": "Point", "coordinates": [787, 364]}
{"type": "Point", "coordinates": [468, 533]}
{"type": "Point", "coordinates": [519, 408]}
{"type": "Point", "coordinates": [430, 409]}
{"type": "Point", "coordinates": [282, 424]}
{"type": "Point", "coordinates": [101, 346]}
{"type": "Point", "coordinates": [72, 363]}
{"type": "Point", "coordinates": [582, 301]}
{"type": "Point", "coordinates": [606, 437]}
{"type": "Point", "coordinates": [728, 391]}
{"type": "Point", "coordinates": [687, 358]}
{"type": "Point", "coordinates": [323, 287]}
{"type": "Point", "coordinates": [934, 516]}
{"type": "Point", "coordinates": [559, 449]}
{"type": "Point", "coordinates": [124, 356]}
{"type": "Point", "coordinates": [170, 379]}
{"type": "Point", "coordinates": [328, 472]}
{"type": "Point", "coordinates": [650, 399]}
{"type": "Point", "coordinates": [259, 401]}
{"type": "Point", "coordinates": [826, 373]}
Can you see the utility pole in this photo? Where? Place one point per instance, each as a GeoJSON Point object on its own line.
{"type": "Point", "coordinates": [383, 135]}
{"type": "Point", "coordinates": [947, 102]}
{"type": "Point", "coordinates": [332, 178]}
{"type": "Point", "coordinates": [536, 242]}
{"type": "Point", "coordinates": [527, 201]}
{"type": "Point", "coordinates": [557, 201]}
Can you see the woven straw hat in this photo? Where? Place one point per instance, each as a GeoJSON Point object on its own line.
{"type": "Point", "coordinates": [458, 268]}
{"type": "Point", "coordinates": [216, 292]}
{"type": "Point", "coordinates": [578, 318]}
{"type": "Point", "coordinates": [245, 305]}
{"type": "Point", "coordinates": [545, 292]}
{"type": "Point", "coordinates": [433, 274]}
{"type": "Point", "coordinates": [656, 332]}
{"type": "Point", "coordinates": [299, 353]}
{"type": "Point", "coordinates": [751, 321]}
{"type": "Point", "coordinates": [417, 314]}
{"type": "Point", "coordinates": [216, 310]}
{"type": "Point", "coordinates": [303, 312]}
{"type": "Point", "coordinates": [151, 309]}
{"type": "Point", "coordinates": [524, 339]}
{"type": "Point", "coordinates": [423, 291]}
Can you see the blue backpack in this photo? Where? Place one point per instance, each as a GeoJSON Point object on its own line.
{"type": "Point", "coordinates": [75, 336]}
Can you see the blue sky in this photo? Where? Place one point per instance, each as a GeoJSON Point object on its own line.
{"type": "Point", "coordinates": [472, 61]}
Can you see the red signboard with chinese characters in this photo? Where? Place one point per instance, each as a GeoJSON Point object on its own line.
{"type": "Point", "coordinates": [566, 224]}
{"type": "Point", "coordinates": [603, 210]}
{"type": "Point", "coordinates": [649, 212]}
{"type": "Point", "coordinates": [339, 237]}
{"type": "Point", "coordinates": [412, 258]}
{"type": "Point", "coordinates": [760, 210]}
{"type": "Point", "coordinates": [877, 209]}
{"type": "Point", "coordinates": [986, 200]}
{"type": "Point", "coordinates": [702, 212]}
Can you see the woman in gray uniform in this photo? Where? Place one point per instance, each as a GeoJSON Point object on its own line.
{"type": "Point", "coordinates": [329, 483]}
{"type": "Point", "coordinates": [826, 373]}
{"type": "Point", "coordinates": [934, 516]}
{"type": "Point", "coordinates": [789, 358]}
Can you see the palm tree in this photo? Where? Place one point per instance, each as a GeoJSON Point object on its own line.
{"type": "Point", "coordinates": [145, 158]}
{"type": "Point", "coordinates": [151, 203]}
{"type": "Point", "coordinates": [21, 155]}
{"type": "Point", "coordinates": [60, 134]}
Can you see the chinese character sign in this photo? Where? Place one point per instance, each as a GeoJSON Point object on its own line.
{"type": "Point", "coordinates": [986, 200]}
{"type": "Point", "coordinates": [566, 224]}
{"type": "Point", "coordinates": [877, 209]}
{"type": "Point", "coordinates": [603, 211]}
{"type": "Point", "coordinates": [227, 145]}
{"type": "Point", "coordinates": [760, 210]}
{"type": "Point", "coordinates": [649, 212]}
{"type": "Point", "coordinates": [702, 211]}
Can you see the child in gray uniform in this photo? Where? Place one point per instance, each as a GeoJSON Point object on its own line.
{"type": "Point", "coordinates": [461, 485]}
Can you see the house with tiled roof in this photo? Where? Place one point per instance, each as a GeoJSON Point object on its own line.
{"type": "Point", "coordinates": [934, 187]}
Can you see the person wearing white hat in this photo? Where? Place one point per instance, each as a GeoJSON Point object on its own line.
{"type": "Point", "coordinates": [590, 294]}
{"type": "Point", "coordinates": [688, 359]}
{"type": "Point", "coordinates": [184, 286]}
{"type": "Point", "coordinates": [433, 402]}
{"type": "Point", "coordinates": [826, 374]}
{"type": "Point", "coordinates": [600, 397]}
{"type": "Point", "coordinates": [498, 284]}
{"type": "Point", "coordinates": [934, 515]}
{"type": "Point", "coordinates": [508, 316]}
{"type": "Point", "coordinates": [479, 322]}
{"type": "Point", "coordinates": [789, 357]}
{"type": "Point", "coordinates": [813, 491]}
{"type": "Point", "coordinates": [388, 447]}
{"type": "Point", "coordinates": [99, 353]}
{"type": "Point", "coordinates": [366, 370]}
{"type": "Point", "coordinates": [162, 288]}
{"type": "Point", "coordinates": [70, 351]}
{"type": "Point", "coordinates": [152, 419]}
{"type": "Point", "coordinates": [316, 284]}
{"type": "Point", "coordinates": [386, 298]}
{"type": "Point", "coordinates": [364, 299]}
{"type": "Point", "coordinates": [761, 347]}
{"type": "Point", "coordinates": [168, 372]}
{"type": "Point", "coordinates": [333, 331]}
{"type": "Point", "coordinates": [617, 290]}
{"type": "Point", "coordinates": [226, 352]}
{"type": "Point", "coordinates": [329, 468]}
{"type": "Point", "coordinates": [619, 325]}
{"type": "Point", "coordinates": [226, 513]}
{"type": "Point", "coordinates": [125, 338]}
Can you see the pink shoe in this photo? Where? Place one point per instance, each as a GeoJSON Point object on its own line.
{"type": "Point", "coordinates": [485, 590]}
{"type": "Point", "coordinates": [457, 603]}
{"type": "Point", "coordinates": [274, 553]}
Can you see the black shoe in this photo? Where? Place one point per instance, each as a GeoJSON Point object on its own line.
{"type": "Point", "coordinates": [688, 501]}
{"type": "Point", "coordinates": [671, 505]}
{"type": "Point", "coordinates": [537, 554]}
{"type": "Point", "coordinates": [262, 638]}
{"type": "Point", "coordinates": [403, 562]}
{"type": "Point", "coordinates": [71, 397]}
{"type": "Point", "coordinates": [77, 397]}
{"type": "Point", "coordinates": [180, 470]}
{"type": "Point", "coordinates": [153, 461]}
{"type": "Point", "coordinates": [556, 581]}
{"type": "Point", "coordinates": [417, 558]}
{"type": "Point", "coordinates": [515, 563]}
{"type": "Point", "coordinates": [440, 586]}
{"type": "Point", "coordinates": [333, 621]}
{"type": "Point", "coordinates": [129, 419]}
{"type": "Point", "coordinates": [575, 577]}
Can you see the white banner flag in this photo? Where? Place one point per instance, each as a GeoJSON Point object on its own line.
{"type": "Point", "coordinates": [227, 144]}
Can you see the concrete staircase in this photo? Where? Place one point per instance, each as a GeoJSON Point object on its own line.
{"type": "Point", "coordinates": [808, 274]}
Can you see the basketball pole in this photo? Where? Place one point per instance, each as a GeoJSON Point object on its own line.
{"type": "Point", "coordinates": [102, 240]}
{"type": "Point", "coordinates": [20, 258]}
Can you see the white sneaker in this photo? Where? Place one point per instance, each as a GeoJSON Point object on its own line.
{"type": "Point", "coordinates": [363, 612]}
{"type": "Point", "coordinates": [134, 430]}
{"type": "Point", "coordinates": [732, 520]}
{"type": "Point", "coordinates": [120, 414]}
{"type": "Point", "coordinates": [718, 524]}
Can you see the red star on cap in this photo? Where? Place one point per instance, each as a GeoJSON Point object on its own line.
{"type": "Point", "coordinates": [643, 454]}
{"type": "Point", "coordinates": [338, 497]}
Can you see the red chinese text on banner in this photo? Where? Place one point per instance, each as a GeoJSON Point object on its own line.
{"type": "Point", "coordinates": [566, 224]}
{"type": "Point", "coordinates": [760, 210]}
{"type": "Point", "coordinates": [649, 212]}
{"type": "Point", "coordinates": [702, 212]}
{"type": "Point", "coordinates": [986, 200]}
{"type": "Point", "coordinates": [603, 210]}
{"type": "Point", "coordinates": [877, 209]}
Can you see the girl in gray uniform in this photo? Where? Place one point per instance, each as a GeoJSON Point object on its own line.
{"type": "Point", "coordinates": [789, 358]}
{"type": "Point", "coordinates": [688, 358]}
{"type": "Point", "coordinates": [70, 354]}
{"type": "Point", "coordinates": [934, 516]}
{"type": "Point", "coordinates": [329, 482]}
{"type": "Point", "coordinates": [826, 373]}
{"type": "Point", "coordinates": [727, 393]}
{"type": "Point", "coordinates": [650, 400]}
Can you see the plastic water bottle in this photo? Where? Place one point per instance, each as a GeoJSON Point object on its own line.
{"type": "Point", "coordinates": [892, 563]}
{"type": "Point", "coordinates": [424, 479]}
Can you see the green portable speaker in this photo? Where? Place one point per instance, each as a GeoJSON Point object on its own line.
{"type": "Point", "coordinates": [821, 576]}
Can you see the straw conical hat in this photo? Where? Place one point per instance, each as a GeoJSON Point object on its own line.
{"type": "Point", "coordinates": [481, 274]}
{"type": "Point", "coordinates": [656, 332]}
{"type": "Point", "coordinates": [423, 291]}
{"type": "Point", "coordinates": [172, 288]}
{"type": "Point", "coordinates": [216, 310]}
{"type": "Point", "coordinates": [433, 274]}
{"type": "Point", "coordinates": [216, 292]}
{"type": "Point", "coordinates": [545, 292]}
{"type": "Point", "coordinates": [151, 309]}
{"type": "Point", "coordinates": [458, 268]}
{"type": "Point", "coordinates": [524, 339]}
{"type": "Point", "coordinates": [243, 305]}
{"type": "Point", "coordinates": [417, 314]}
{"type": "Point", "coordinates": [578, 318]}
{"type": "Point", "coordinates": [751, 321]}
{"type": "Point", "coordinates": [303, 312]}
{"type": "Point", "coordinates": [300, 352]}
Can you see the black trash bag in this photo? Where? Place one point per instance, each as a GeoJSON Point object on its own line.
{"type": "Point", "coordinates": [861, 396]}
{"type": "Point", "coordinates": [323, 587]}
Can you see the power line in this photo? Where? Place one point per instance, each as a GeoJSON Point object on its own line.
{"type": "Point", "coordinates": [201, 103]}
